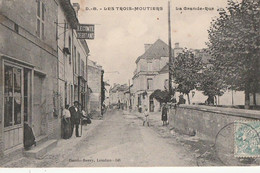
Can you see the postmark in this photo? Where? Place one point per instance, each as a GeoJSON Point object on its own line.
{"type": "Point", "coordinates": [247, 139]}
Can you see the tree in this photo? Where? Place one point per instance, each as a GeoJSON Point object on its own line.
{"type": "Point", "coordinates": [234, 42]}
{"type": "Point", "coordinates": [161, 96]}
{"type": "Point", "coordinates": [211, 83]}
{"type": "Point", "coordinates": [186, 68]}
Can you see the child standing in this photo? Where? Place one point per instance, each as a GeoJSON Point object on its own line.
{"type": "Point", "coordinates": [146, 117]}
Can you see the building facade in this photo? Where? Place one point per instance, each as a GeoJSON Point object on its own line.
{"type": "Point", "coordinates": [43, 67]}
{"type": "Point", "coordinates": [119, 96]}
{"type": "Point", "coordinates": [152, 73]}
{"type": "Point", "coordinates": [73, 55]}
{"type": "Point", "coordinates": [95, 73]}
{"type": "Point", "coordinates": [28, 70]}
{"type": "Point", "coordinates": [145, 79]}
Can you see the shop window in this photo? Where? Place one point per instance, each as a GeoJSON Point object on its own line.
{"type": "Point", "coordinates": [12, 96]}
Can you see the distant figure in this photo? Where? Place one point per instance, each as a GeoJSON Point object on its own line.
{"type": "Point", "coordinates": [29, 138]}
{"type": "Point", "coordinates": [210, 100]}
{"type": "Point", "coordinates": [140, 108]}
{"type": "Point", "coordinates": [146, 117]}
{"type": "Point", "coordinates": [66, 123]}
{"type": "Point", "coordinates": [75, 118]}
{"type": "Point", "coordinates": [181, 100]}
{"type": "Point", "coordinates": [164, 114]}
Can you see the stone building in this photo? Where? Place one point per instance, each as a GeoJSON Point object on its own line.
{"type": "Point", "coordinates": [73, 55]}
{"type": "Point", "coordinates": [148, 66]}
{"type": "Point", "coordinates": [95, 73]}
{"type": "Point", "coordinates": [119, 96]}
{"type": "Point", "coordinates": [152, 73]}
{"type": "Point", "coordinates": [28, 70]}
{"type": "Point", "coordinates": [44, 67]}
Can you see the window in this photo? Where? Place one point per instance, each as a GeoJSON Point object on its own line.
{"type": "Point", "coordinates": [78, 63]}
{"type": "Point", "coordinates": [40, 19]}
{"type": "Point", "coordinates": [150, 66]}
{"type": "Point", "coordinates": [166, 84]}
{"type": "Point", "coordinates": [75, 59]}
{"type": "Point", "coordinates": [16, 28]}
{"type": "Point", "coordinates": [71, 94]}
{"type": "Point", "coordinates": [149, 83]}
{"type": "Point", "coordinates": [12, 96]}
{"type": "Point", "coordinates": [26, 90]}
{"type": "Point", "coordinates": [82, 69]}
{"type": "Point", "coordinates": [69, 49]}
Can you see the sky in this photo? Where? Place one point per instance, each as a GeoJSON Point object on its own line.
{"type": "Point", "coordinates": [120, 35]}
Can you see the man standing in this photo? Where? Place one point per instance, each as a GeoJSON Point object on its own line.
{"type": "Point", "coordinates": [75, 117]}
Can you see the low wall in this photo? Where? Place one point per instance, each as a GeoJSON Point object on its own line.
{"type": "Point", "coordinates": [206, 122]}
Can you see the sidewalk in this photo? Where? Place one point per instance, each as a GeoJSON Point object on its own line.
{"type": "Point", "coordinates": [58, 155]}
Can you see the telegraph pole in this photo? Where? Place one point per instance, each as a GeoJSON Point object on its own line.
{"type": "Point", "coordinates": [170, 47]}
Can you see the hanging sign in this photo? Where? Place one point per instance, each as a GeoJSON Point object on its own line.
{"type": "Point", "coordinates": [85, 31]}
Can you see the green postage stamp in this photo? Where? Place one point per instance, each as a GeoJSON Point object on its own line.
{"type": "Point", "coordinates": [247, 139]}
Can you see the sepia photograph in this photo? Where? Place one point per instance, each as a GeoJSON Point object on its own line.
{"type": "Point", "coordinates": [129, 84]}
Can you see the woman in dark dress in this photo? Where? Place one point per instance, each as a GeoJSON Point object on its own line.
{"type": "Point", "coordinates": [164, 114]}
{"type": "Point", "coordinates": [29, 138]}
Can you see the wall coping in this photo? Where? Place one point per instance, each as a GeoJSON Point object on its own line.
{"type": "Point", "coordinates": [254, 114]}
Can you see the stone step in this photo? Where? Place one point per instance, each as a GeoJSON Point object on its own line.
{"type": "Point", "coordinates": [40, 150]}
{"type": "Point", "coordinates": [41, 139]}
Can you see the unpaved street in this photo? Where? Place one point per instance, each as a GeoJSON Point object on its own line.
{"type": "Point", "coordinates": [122, 140]}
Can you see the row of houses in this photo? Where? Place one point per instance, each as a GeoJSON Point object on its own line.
{"type": "Point", "coordinates": [119, 96]}
{"type": "Point", "coordinates": [152, 73]}
{"type": "Point", "coordinates": [43, 67]}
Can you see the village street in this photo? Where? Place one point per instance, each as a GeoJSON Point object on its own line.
{"type": "Point", "coordinates": [118, 140]}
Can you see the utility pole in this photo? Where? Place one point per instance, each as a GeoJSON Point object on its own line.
{"type": "Point", "coordinates": [170, 47]}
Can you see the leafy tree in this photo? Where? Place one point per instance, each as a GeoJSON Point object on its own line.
{"type": "Point", "coordinates": [234, 42]}
{"type": "Point", "coordinates": [161, 96]}
{"type": "Point", "coordinates": [186, 68]}
{"type": "Point", "coordinates": [211, 83]}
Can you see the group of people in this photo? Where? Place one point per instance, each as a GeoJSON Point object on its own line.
{"type": "Point", "coordinates": [164, 111]}
{"type": "Point", "coordinates": [164, 115]}
{"type": "Point", "coordinates": [71, 118]}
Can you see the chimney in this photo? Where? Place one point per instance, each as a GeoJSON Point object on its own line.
{"type": "Point", "coordinates": [177, 45]}
{"type": "Point", "coordinates": [147, 46]}
{"type": "Point", "coordinates": [76, 8]}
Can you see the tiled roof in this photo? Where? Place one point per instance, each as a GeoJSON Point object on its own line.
{"type": "Point", "coordinates": [157, 50]}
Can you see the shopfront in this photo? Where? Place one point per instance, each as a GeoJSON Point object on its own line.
{"type": "Point", "coordinates": [17, 92]}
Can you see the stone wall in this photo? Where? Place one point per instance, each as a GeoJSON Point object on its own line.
{"type": "Point", "coordinates": [211, 123]}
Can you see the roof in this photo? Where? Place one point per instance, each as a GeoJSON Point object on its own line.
{"type": "Point", "coordinates": [165, 69]}
{"type": "Point", "coordinates": [202, 53]}
{"type": "Point", "coordinates": [118, 87]}
{"type": "Point", "coordinates": [70, 13]}
{"type": "Point", "coordinates": [85, 45]}
{"type": "Point", "coordinates": [157, 50]}
{"type": "Point", "coordinates": [94, 64]}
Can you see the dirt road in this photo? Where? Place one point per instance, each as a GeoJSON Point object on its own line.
{"type": "Point", "coordinates": [122, 140]}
